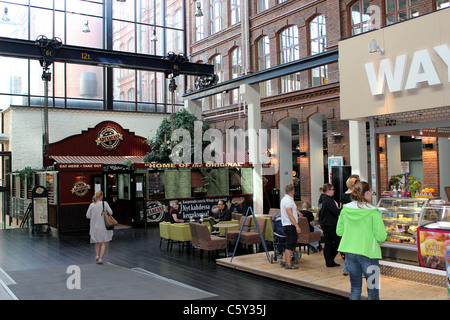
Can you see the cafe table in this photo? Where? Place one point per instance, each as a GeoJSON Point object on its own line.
{"type": "Point", "coordinates": [226, 226]}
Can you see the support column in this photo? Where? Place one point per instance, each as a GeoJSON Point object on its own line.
{"type": "Point", "coordinates": [358, 149]}
{"type": "Point", "coordinates": [194, 107]}
{"type": "Point", "coordinates": [250, 94]}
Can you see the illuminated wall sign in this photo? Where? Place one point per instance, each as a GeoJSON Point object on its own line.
{"type": "Point", "coordinates": [422, 69]}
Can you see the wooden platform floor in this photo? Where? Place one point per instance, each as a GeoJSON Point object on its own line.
{"type": "Point", "coordinates": [313, 273]}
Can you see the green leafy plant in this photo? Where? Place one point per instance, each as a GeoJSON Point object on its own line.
{"type": "Point", "coordinates": [161, 145]}
{"type": "Point", "coordinates": [26, 174]}
{"type": "Point", "coordinates": [396, 180]}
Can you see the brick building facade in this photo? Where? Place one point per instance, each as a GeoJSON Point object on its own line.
{"type": "Point", "coordinates": [268, 21]}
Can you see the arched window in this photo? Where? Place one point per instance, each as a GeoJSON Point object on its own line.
{"type": "Point", "coordinates": [318, 40]}
{"type": "Point", "coordinates": [360, 19]}
{"type": "Point", "coordinates": [400, 10]}
{"type": "Point", "coordinates": [289, 51]}
{"type": "Point", "coordinates": [263, 56]}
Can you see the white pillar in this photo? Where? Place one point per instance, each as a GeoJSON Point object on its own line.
{"type": "Point", "coordinates": [358, 149]}
{"type": "Point", "coordinates": [316, 157]}
{"type": "Point", "coordinates": [444, 173]}
{"type": "Point", "coordinates": [194, 107]}
{"type": "Point", "coordinates": [250, 94]}
{"type": "Point", "coordinates": [285, 154]}
{"type": "Point", "coordinates": [394, 158]}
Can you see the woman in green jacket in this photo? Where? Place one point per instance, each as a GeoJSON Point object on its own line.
{"type": "Point", "coordinates": [362, 229]}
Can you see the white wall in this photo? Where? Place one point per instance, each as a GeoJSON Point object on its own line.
{"type": "Point", "coordinates": [25, 128]}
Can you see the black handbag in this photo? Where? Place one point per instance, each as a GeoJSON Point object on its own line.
{"type": "Point", "coordinates": [110, 222]}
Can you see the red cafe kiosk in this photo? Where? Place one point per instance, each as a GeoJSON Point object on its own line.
{"type": "Point", "coordinates": [99, 158]}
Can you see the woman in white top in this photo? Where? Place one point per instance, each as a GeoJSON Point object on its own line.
{"type": "Point", "coordinates": [98, 232]}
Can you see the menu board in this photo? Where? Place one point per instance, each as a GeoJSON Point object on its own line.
{"type": "Point", "coordinates": [171, 183]}
{"type": "Point", "coordinates": [40, 210]}
{"type": "Point", "coordinates": [177, 183]}
{"type": "Point", "coordinates": [219, 183]}
{"type": "Point", "coordinates": [247, 180]}
{"type": "Point", "coordinates": [184, 183]}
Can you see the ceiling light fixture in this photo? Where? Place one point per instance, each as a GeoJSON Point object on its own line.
{"type": "Point", "coordinates": [199, 12]}
{"type": "Point", "coordinates": [5, 17]}
{"type": "Point", "coordinates": [86, 26]}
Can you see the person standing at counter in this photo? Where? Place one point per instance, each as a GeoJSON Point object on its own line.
{"type": "Point", "coordinates": [175, 215]}
{"type": "Point", "coordinates": [97, 230]}
{"type": "Point", "coordinates": [224, 214]}
{"type": "Point", "coordinates": [362, 229]}
{"type": "Point", "coordinates": [328, 217]}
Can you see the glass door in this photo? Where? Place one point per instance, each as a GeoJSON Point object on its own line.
{"type": "Point", "coordinates": [138, 199]}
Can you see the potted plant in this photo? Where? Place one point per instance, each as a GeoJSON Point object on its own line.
{"type": "Point", "coordinates": [413, 185]}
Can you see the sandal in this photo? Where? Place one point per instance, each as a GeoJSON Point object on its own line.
{"type": "Point", "coordinates": [99, 261]}
{"type": "Point", "coordinates": [96, 258]}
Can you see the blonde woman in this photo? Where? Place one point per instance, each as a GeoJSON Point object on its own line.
{"type": "Point", "coordinates": [99, 235]}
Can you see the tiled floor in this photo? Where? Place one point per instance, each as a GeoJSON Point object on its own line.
{"type": "Point", "coordinates": [139, 248]}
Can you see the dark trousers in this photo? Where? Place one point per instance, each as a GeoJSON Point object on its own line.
{"type": "Point", "coordinates": [332, 241]}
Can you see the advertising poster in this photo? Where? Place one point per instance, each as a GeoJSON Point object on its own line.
{"type": "Point", "coordinates": [432, 246]}
{"type": "Point", "coordinates": [196, 208]}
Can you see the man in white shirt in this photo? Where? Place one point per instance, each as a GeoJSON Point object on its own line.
{"type": "Point", "coordinates": [289, 221]}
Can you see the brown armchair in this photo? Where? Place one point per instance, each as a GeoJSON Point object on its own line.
{"type": "Point", "coordinates": [252, 236]}
{"type": "Point", "coordinates": [195, 238]}
{"type": "Point", "coordinates": [306, 237]}
{"type": "Point", "coordinates": [209, 242]}
{"type": "Point", "coordinates": [234, 234]}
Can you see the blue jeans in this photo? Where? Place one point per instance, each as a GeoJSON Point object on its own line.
{"type": "Point", "coordinates": [358, 265]}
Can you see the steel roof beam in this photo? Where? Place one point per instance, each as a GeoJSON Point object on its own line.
{"type": "Point", "coordinates": [306, 63]}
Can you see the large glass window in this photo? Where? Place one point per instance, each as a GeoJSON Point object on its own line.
{"type": "Point", "coordinates": [153, 27]}
{"type": "Point", "coordinates": [441, 4]}
{"type": "Point", "coordinates": [236, 69]}
{"type": "Point", "coordinates": [360, 19]}
{"type": "Point", "coordinates": [216, 15]}
{"type": "Point", "coordinates": [289, 51]}
{"type": "Point", "coordinates": [217, 100]}
{"type": "Point", "coordinates": [263, 55]}
{"type": "Point", "coordinates": [262, 5]}
{"type": "Point", "coordinates": [400, 10]}
{"type": "Point", "coordinates": [318, 38]}
{"type": "Point", "coordinates": [235, 10]}
{"type": "Point", "coordinates": [200, 25]}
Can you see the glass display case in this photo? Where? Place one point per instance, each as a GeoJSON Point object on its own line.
{"type": "Point", "coordinates": [402, 217]}
{"type": "Point", "coordinates": [434, 234]}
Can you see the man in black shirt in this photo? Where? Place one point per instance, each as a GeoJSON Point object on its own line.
{"type": "Point", "coordinates": [223, 215]}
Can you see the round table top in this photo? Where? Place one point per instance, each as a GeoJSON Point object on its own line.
{"type": "Point", "coordinates": [226, 225]}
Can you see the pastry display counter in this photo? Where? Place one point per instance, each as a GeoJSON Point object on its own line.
{"type": "Point", "coordinates": [402, 217]}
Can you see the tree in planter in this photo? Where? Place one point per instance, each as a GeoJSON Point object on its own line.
{"type": "Point", "coordinates": [161, 144]}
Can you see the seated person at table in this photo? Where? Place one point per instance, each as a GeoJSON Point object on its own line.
{"type": "Point", "coordinates": [224, 214]}
{"type": "Point", "coordinates": [305, 212]}
{"type": "Point", "coordinates": [175, 215]}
